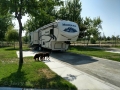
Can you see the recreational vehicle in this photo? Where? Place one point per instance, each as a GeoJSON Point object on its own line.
{"type": "Point", "coordinates": [34, 39]}
{"type": "Point", "coordinates": [56, 35]}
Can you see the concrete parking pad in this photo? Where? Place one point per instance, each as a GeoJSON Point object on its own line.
{"type": "Point", "coordinates": [80, 79]}
{"type": "Point", "coordinates": [27, 53]}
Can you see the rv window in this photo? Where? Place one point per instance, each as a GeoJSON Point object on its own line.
{"type": "Point", "coordinates": [43, 43]}
{"type": "Point", "coordinates": [30, 38]}
{"type": "Point", "coordinates": [51, 31]}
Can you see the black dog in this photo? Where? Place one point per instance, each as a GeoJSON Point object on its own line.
{"type": "Point", "coordinates": [39, 55]}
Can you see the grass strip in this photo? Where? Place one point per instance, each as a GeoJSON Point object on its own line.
{"type": "Point", "coordinates": [94, 52]}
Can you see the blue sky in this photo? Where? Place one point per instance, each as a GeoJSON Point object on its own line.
{"type": "Point", "coordinates": [107, 10]}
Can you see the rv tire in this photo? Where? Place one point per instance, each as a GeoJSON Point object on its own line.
{"type": "Point", "coordinates": [40, 48]}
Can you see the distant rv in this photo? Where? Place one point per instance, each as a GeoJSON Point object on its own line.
{"type": "Point", "coordinates": [55, 36]}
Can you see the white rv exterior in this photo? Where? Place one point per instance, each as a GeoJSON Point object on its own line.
{"type": "Point", "coordinates": [56, 35]}
{"type": "Point", "coordinates": [34, 38]}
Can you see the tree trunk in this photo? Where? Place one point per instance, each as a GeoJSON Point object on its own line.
{"type": "Point", "coordinates": [20, 41]}
{"type": "Point", "coordinates": [14, 44]}
{"type": "Point", "coordinates": [99, 42]}
{"type": "Point", "coordinates": [88, 42]}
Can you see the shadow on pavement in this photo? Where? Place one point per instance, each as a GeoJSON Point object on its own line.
{"type": "Point", "coordinates": [70, 77]}
{"type": "Point", "coordinates": [71, 58]}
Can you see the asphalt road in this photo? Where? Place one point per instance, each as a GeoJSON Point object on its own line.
{"type": "Point", "coordinates": [106, 70]}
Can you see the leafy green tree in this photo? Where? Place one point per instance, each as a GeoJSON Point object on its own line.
{"type": "Point", "coordinates": [117, 39]}
{"type": "Point", "coordinates": [93, 27]}
{"type": "Point", "coordinates": [92, 41]}
{"type": "Point", "coordinates": [71, 11]}
{"type": "Point", "coordinates": [108, 38]}
{"type": "Point", "coordinates": [114, 40]}
{"type": "Point", "coordinates": [5, 22]}
{"type": "Point", "coordinates": [83, 27]}
{"type": "Point", "coordinates": [45, 14]}
{"type": "Point", "coordinates": [25, 39]}
{"type": "Point", "coordinates": [18, 8]}
{"type": "Point", "coordinates": [12, 35]}
{"type": "Point", "coordinates": [21, 7]}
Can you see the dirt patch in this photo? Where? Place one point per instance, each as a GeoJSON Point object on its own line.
{"type": "Point", "coordinates": [48, 74]}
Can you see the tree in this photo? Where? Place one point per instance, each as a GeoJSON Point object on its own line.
{"type": "Point", "coordinates": [45, 14]}
{"type": "Point", "coordinates": [71, 10]}
{"type": "Point", "coordinates": [117, 39]}
{"type": "Point", "coordinates": [93, 27]}
{"type": "Point", "coordinates": [83, 28]}
{"type": "Point", "coordinates": [12, 35]}
{"type": "Point", "coordinates": [5, 22]}
{"type": "Point", "coordinates": [26, 39]}
{"type": "Point", "coordinates": [17, 7]}
{"type": "Point", "coordinates": [20, 8]}
{"type": "Point", "coordinates": [108, 38]}
{"type": "Point", "coordinates": [114, 40]}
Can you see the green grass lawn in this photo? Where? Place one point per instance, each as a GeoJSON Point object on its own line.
{"type": "Point", "coordinates": [117, 47]}
{"type": "Point", "coordinates": [94, 52]}
{"type": "Point", "coordinates": [32, 75]}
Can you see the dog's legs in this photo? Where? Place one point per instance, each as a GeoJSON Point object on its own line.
{"type": "Point", "coordinates": [44, 58]}
{"type": "Point", "coordinates": [41, 58]}
{"type": "Point", "coordinates": [48, 58]}
{"type": "Point", "coordinates": [38, 58]}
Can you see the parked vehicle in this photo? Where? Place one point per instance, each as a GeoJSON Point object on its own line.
{"type": "Point", "coordinates": [55, 36]}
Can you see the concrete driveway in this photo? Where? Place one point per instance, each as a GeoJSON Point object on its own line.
{"type": "Point", "coordinates": [106, 70]}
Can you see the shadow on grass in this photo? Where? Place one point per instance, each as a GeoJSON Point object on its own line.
{"type": "Point", "coordinates": [16, 79]}
{"type": "Point", "coordinates": [20, 67]}
{"type": "Point", "coordinates": [53, 83]}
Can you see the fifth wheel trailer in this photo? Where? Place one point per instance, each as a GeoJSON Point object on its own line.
{"type": "Point", "coordinates": [34, 39]}
{"type": "Point", "coordinates": [55, 36]}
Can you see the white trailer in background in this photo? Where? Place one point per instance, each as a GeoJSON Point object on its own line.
{"type": "Point", "coordinates": [56, 35]}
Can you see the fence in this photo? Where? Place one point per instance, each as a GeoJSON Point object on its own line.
{"type": "Point", "coordinates": [98, 43]}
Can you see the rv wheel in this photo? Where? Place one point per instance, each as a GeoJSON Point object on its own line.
{"type": "Point", "coordinates": [63, 50]}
